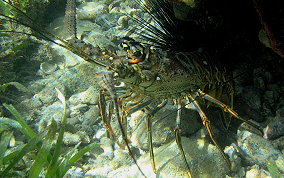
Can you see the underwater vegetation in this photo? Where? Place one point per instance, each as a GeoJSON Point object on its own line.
{"type": "Point", "coordinates": [48, 156]}
{"type": "Point", "coordinates": [166, 58]}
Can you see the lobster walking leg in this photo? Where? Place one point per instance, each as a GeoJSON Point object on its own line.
{"type": "Point", "coordinates": [150, 114]}
{"type": "Point", "coordinates": [178, 139]}
{"type": "Point", "coordinates": [105, 117]}
{"type": "Point", "coordinates": [226, 108]}
{"type": "Point", "coordinates": [107, 81]}
{"type": "Point", "coordinates": [207, 125]}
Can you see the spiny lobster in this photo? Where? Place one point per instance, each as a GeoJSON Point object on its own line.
{"type": "Point", "coordinates": [149, 74]}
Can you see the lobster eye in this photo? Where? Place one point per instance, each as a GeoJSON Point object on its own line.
{"type": "Point", "coordinates": [125, 46]}
{"type": "Point", "coordinates": [137, 53]}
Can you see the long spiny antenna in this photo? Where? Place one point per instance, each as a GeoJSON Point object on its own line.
{"type": "Point", "coordinates": [42, 33]}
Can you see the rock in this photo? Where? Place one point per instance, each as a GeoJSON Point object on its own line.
{"type": "Point", "coordinates": [73, 121]}
{"type": "Point", "coordinates": [275, 128]}
{"type": "Point", "coordinates": [92, 116]}
{"type": "Point", "coordinates": [235, 159]}
{"type": "Point", "coordinates": [70, 139]}
{"type": "Point", "coordinates": [86, 26]}
{"type": "Point", "coordinates": [90, 96]}
{"type": "Point", "coordinates": [90, 10]}
{"type": "Point", "coordinates": [163, 124]}
{"type": "Point", "coordinates": [84, 137]}
{"type": "Point", "coordinates": [101, 41]}
{"type": "Point", "coordinates": [29, 104]}
{"type": "Point", "coordinates": [269, 96]}
{"type": "Point", "coordinates": [252, 97]}
{"type": "Point", "coordinates": [256, 172]}
{"type": "Point", "coordinates": [279, 144]}
{"type": "Point", "coordinates": [259, 150]}
{"type": "Point", "coordinates": [54, 111]}
{"type": "Point", "coordinates": [259, 83]}
{"type": "Point", "coordinates": [107, 146]}
{"type": "Point", "coordinates": [48, 68]}
{"type": "Point", "coordinates": [280, 112]}
{"type": "Point", "coordinates": [204, 160]}
{"type": "Point", "coordinates": [86, 74]}
{"type": "Point", "coordinates": [123, 21]}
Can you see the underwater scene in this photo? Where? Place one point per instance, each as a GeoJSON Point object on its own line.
{"type": "Point", "coordinates": [141, 88]}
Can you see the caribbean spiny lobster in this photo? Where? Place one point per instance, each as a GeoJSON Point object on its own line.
{"type": "Point", "coordinates": [150, 74]}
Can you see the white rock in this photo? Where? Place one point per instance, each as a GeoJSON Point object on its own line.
{"type": "Point", "coordinates": [89, 10]}
{"type": "Point", "coordinates": [71, 139]}
{"type": "Point", "coordinates": [259, 150]}
{"type": "Point", "coordinates": [90, 96]}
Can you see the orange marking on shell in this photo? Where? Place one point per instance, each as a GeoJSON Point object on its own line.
{"type": "Point", "coordinates": [135, 61]}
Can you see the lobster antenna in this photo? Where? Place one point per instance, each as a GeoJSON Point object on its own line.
{"type": "Point", "coordinates": [42, 33]}
{"type": "Point", "coordinates": [70, 20]}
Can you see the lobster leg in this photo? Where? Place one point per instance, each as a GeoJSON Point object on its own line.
{"type": "Point", "coordinates": [178, 138]}
{"type": "Point", "coordinates": [105, 117]}
{"type": "Point", "coordinates": [150, 114]}
{"type": "Point", "coordinates": [108, 82]}
{"type": "Point", "coordinates": [226, 108]}
{"type": "Point", "coordinates": [123, 132]}
{"type": "Point", "coordinates": [207, 125]}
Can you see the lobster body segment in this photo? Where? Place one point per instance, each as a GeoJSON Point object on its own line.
{"type": "Point", "coordinates": [166, 75]}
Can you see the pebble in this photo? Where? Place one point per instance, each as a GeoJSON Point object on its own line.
{"type": "Point", "coordinates": [101, 41]}
{"type": "Point", "coordinates": [78, 109]}
{"type": "Point", "coordinates": [235, 159]}
{"type": "Point", "coordinates": [48, 68]}
{"type": "Point", "coordinates": [89, 10]}
{"type": "Point", "coordinates": [123, 21]}
{"type": "Point", "coordinates": [90, 97]}
{"type": "Point", "coordinates": [54, 111]}
{"type": "Point", "coordinates": [73, 120]}
{"type": "Point", "coordinates": [252, 97]}
{"type": "Point", "coordinates": [269, 96]}
{"type": "Point", "coordinates": [275, 128]}
{"type": "Point", "coordinates": [70, 139]}
{"type": "Point", "coordinates": [107, 146]}
{"type": "Point", "coordinates": [280, 112]}
{"type": "Point", "coordinates": [259, 83]}
{"type": "Point", "coordinates": [29, 104]}
{"type": "Point", "coordinates": [84, 137]}
{"type": "Point", "coordinates": [256, 172]}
